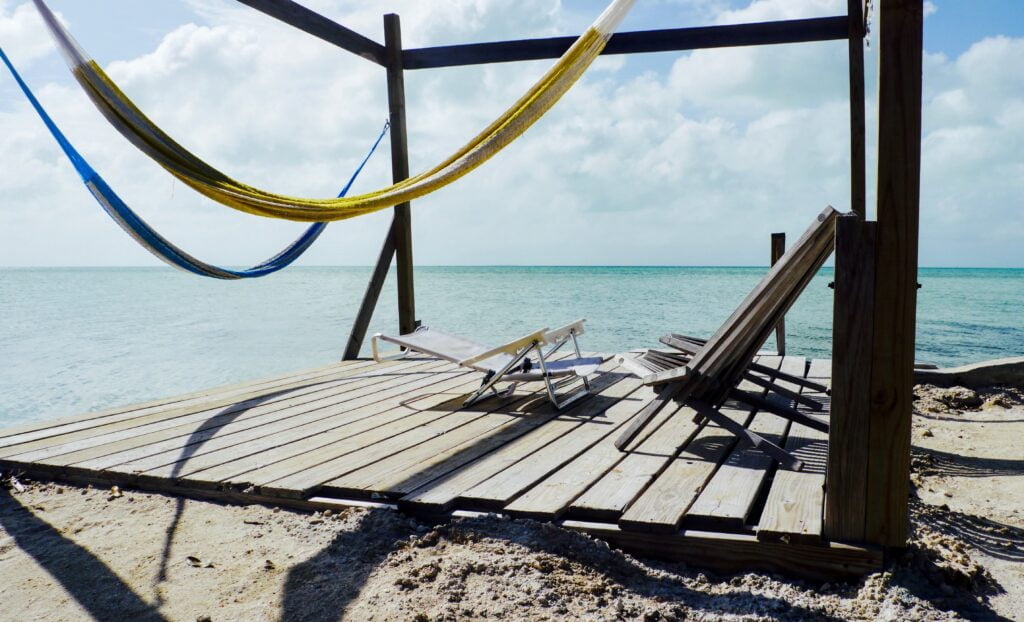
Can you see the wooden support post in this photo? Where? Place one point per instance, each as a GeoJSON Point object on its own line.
{"type": "Point", "coordinates": [779, 249]}
{"type": "Point", "coordinates": [402, 226]}
{"type": "Point", "coordinates": [362, 321]}
{"type": "Point", "coordinates": [858, 158]}
{"type": "Point", "coordinates": [848, 454]}
{"type": "Point", "coordinates": [895, 300]}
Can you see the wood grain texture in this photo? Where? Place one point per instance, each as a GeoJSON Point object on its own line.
{"type": "Point", "coordinates": [230, 402]}
{"type": "Point", "coordinates": [858, 132]}
{"type": "Point", "coordinates": [304, 471]}
{"type": "Point", "coordinates": [381, 408]}
{"type": "Point", "coordinates": [575, 435]}
{"type": "Point", "coordinates": [729, 498]}
{"type": "Point", "coordinates": [665, 40]}
{"type": "Point", "coordinates": [900, 53]}
{"type": "Point", "coordinates": [199, 400]}
{"type": "Point", "coordinates": [407, 429]}
{"type": "Point", "coordinates": [400, 171]}
{"type": "Point", "coordinates": [552, 496]}
{"type": "Point", "coordinates": [294, 14]}
{"type": "Point", "coordinates": [852, 334]}
{"type": "Point", "coordinates": [793, 510]}
{"type": "Point", "coordinates": [442, 493]}
{"type": "Point", "coordinates": [411, 469]}
{"type": "Point", "coordinates": [661, 506]}
{"type": "Point", "coordinates": [740, 553]}
{"type": "Point", "coordinates": [71, 448]}
{"type": "Point", "coordinates": [778, 249]}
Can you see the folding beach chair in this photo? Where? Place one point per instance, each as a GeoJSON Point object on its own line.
{"type": "Point", "coordinates": [705, 373]}
{"type": "Point", "coordinates": [506, 363]}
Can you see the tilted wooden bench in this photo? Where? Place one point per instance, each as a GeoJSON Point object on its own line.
{"type": "Point", "coordinates": [704, 374]}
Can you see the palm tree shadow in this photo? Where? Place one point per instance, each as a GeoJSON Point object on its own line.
{"type": "Point", "coordinates": [83, 575]}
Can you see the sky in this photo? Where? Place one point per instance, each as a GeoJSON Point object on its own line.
{"type": "Point", "coordinates": [683, 158]}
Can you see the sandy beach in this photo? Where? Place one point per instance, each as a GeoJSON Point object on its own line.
{"type": "Point", "coordinates": [74, 553]}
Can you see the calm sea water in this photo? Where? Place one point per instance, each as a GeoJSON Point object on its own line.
{"type": "Point", "coordinates": [74, 340]}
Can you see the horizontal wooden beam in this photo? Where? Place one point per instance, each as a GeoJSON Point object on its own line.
{"type": "Point", "coordinates": [668, 40]}
{"type": "Point", "coordinates": [740, 552]}
{"type": "Point", "coordinates": [296, 15]}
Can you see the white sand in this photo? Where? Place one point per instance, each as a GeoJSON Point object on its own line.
{"type": "Point", "coordinates": [69, 553]}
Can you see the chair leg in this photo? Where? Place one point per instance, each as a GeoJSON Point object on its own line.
{"type": "Point", "coordinates": [787, 459]}
{"type": "Point", "coordinates": [559, 405]}
{"type": "Point", "coordinates": [576, 346]}
{"type": "Point", "coordinates": [547, 379]}
{"type": "Point", "coordinates": [490, 380]}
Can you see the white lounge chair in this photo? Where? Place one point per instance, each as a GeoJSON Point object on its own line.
{"type": "Point", "coordinates": [505, 363]}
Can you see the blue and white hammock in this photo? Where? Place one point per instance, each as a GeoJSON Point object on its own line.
{"type": "Point", "coordinates": [152, 241]}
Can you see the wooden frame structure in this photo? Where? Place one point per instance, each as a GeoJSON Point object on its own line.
{"type": "Point", "coordinates": [866, 494]}
{"type": "Point", "coordinates": [854, 502]}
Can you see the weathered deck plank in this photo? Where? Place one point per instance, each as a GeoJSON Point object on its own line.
{"type": "Point", "coordinates": [430, 461]}
{"type": "Point", "coordinates": [664, 504]}
{"type": "Point", "coordinates": [362, 412]}
{"type": "Point", "coordinates": [309, 470]}
{"type": "Point", "coordinates": [398, 431]}
{"type": "Point", "coordinates": [610, 496]}
{"type": "Point", "coordinates": [68, 448]}
{"type": "Point", "coordinates": [441, 494]}
{"type": "Point", "coordinates": [87, 429]}
{"type": "Point", "coordinates": [52, 427]}
{"type": "Point", "coordinates": [361, 426]}
{"type": "Point", "coordinates": [551, 497]}
{"type": "Point", "coordinates": [730, 496]}
{"type": "Point", "coordinates": [793, 509]}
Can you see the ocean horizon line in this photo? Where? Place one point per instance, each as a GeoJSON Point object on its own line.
{"type": "Point", "coordinates": [666, 266]}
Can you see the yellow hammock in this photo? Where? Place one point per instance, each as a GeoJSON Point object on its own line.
{"type": "Point", "coordinates": [202, 177]}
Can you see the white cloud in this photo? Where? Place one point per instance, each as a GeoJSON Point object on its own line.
{"type": "Point", "coordinates": [21, 30]}
{"type": "Point", "coordinates": [692, 165]}
{"type": "Point", "coordinates": [973, 155]}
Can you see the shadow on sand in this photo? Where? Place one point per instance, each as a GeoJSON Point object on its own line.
{"type": "Point", "coordinates": [83, 575]}
{"type": "Point", "coordinates": [324, 586]}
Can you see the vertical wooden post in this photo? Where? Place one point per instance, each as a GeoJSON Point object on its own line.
{"type": "Point", "coordinates": [402, 226]}
{"type": "Point", "coordinates": [362, 321]}
{"type": "Point", "coordinates": [399, 237]}
{"type": "Point", "coordinates": [848, 455]}
{"type": "Point", "coordinates": [778, 250]}
{"type": "Point", "coordinates": [895, 301]}
{"type": "Point", "coordinates": [858, 158]}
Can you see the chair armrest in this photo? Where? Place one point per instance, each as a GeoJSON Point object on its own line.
{"type": "Point", "coordinates": [512, 347]}
{"type": "Point", "coordinates": [553, 336]}
{"type": "Point", "coordinates": [380, 358]}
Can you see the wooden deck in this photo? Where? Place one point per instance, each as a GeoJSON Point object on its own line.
{"type": "Point", "coordinates": [396, 433]}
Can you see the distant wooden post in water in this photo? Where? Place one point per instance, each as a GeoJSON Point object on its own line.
{"type": "Point", "coordinates": [778, 250]}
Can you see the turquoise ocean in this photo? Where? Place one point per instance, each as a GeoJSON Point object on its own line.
{"type": "Point", "coordinates": [79, 339]}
